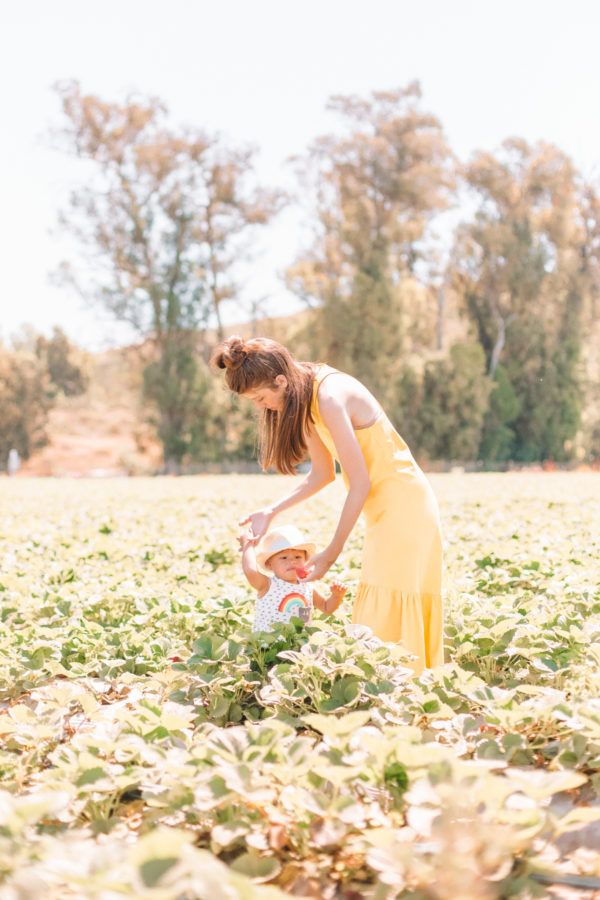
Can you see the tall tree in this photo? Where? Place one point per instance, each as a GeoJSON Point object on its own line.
{"type": "Point", "coordinates": [376, 188]}
{"type": "Point", "coordinates": [589, 255]}
{"type": "Point", "coordinates": [518, 240]}
{"type": "Point", "coordinates": [441, 410]}
{"type": "Point", "coordinates": [25, 401]}
{"type": "Point", "coordinates": [517, 266]}
{"type": "Point", "coordinates": [164, 216]}
{"type": "Point", "coordinates": [65, 363]}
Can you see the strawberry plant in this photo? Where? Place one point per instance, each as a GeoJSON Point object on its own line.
{"type": "Point", "coordinates": [152, 746]}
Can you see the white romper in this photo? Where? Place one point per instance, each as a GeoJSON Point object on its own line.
{"type": "Point", "coordinates": [282, 601]}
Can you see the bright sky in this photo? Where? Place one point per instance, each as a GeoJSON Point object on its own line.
{"type": "Point", "coordinates": [260, 72]}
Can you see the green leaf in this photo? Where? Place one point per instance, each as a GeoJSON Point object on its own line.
{"type": "Point", "coordinates": [577, 818]}
{"type": "Point", "coordinates": [258, 868]}
{"type": "Point", "coordinates": [153, 870]}
{"type": "Point", "coordinates": [513, 741]}
{"type": "Point", "coordinates": [90, 776]}
{"type": "Point", "coordinates": [345, 690]}
{"type": "Point", "coordinates": [541, 785]}
{"type": "Point", "coordinates": [227, 834]}
{"type": "Point", "coordinates": [163, 845]}
{"type": "Point", "coordinates": [395, 774]}
{"type": "Point", "coordinates": [489, 750]}
{"type": "Point", "coordinates": [219, 706]}
{"type": "Point", "coordinates": [568, 759]}
{"type": "Point", "coordinates": [334, 726]}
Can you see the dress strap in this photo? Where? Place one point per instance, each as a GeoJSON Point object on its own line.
{"type": "Point", "coordinates": [324, 371]}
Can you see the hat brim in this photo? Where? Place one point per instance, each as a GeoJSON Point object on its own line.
{"type": "Point", "coordinates": [263, 558]}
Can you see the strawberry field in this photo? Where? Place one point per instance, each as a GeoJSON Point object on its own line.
{"type": "Point", "coordinates": [152, 748]}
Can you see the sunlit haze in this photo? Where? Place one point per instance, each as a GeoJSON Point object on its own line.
{"type": "Point", "coordinates": [261, 73]}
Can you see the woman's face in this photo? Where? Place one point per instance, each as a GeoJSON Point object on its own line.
{"type": "Point", "coordinates": [269, 396]}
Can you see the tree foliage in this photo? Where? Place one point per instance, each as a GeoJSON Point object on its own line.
{"type": "Point", "coordinates": [441, 413]}
{"type": "Point", "coordinates": [25, 400]}
{"type": "Point", "coordinates": [523, 267]}
{"type": "Point", "coordinates": [376, 187]}
{"type": "Point", "coordinates": [164, 216]}
{"type": "Point", "coordinates": [64, 362]}
{"type": "Point", "coordinates": [498, 438]}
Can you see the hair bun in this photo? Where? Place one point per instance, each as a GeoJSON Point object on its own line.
{"type": "Point", "coordinates": [233, 353]}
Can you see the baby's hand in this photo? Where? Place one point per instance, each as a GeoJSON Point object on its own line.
{"type": "Point", "coordinates": [245, 539]}
{"type": "Point", "coordinates": [338, 590]}
{"type": "Point", "coordinates": [336, 594]}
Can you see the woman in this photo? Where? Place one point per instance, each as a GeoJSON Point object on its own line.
{"type": "Point", "coordinates": [306, 407]}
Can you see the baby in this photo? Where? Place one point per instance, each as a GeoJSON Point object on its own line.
{"type": "Point", "coordinates": [282, 556]}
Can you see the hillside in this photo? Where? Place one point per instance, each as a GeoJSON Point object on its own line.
{"type": "Point", "coordinates": [105, 431]}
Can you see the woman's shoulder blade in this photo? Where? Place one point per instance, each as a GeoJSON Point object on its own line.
{"type": "Point", "coordinates": [348, 393]}
{"type": "Point", "coordinates": [339, 389]}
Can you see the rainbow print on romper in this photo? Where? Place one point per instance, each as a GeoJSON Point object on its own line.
{"type": "Point", "coordinates": [292, 600]}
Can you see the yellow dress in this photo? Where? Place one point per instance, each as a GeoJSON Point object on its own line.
{"type": "Point", "coordinates": [399, 595]}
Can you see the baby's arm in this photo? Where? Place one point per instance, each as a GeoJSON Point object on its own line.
{"type": "Point", "coordinates": [257, 579]}
{"type": "Point", "coordinates": [331, 603]}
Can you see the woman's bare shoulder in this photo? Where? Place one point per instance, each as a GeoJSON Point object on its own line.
{"type": "Point", "coordinates": [337, 385]}
{"type": "Point", "coordinates": [341, 389]}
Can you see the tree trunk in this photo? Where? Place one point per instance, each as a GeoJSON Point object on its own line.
{"type": "Point", "coordinates": [441, 302]}
{"type": "Point", "coordinates": [502, 325]}
{"type": "Point", "coordinates": [220, 332]}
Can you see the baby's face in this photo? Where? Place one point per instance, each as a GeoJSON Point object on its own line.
{"type": "Point", "coordinates": [285, 563]}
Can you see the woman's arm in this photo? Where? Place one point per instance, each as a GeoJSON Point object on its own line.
{"type": "Point", "coordinates": [333, 406]}
{"type": "Point", "coordinates": [322, 473]}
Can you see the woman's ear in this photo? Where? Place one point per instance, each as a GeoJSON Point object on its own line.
{"type": "Point", "coordinates": [281, 381]}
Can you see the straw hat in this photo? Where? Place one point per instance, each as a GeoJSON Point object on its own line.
{"type": "Point", "coordinates": [288, 537]}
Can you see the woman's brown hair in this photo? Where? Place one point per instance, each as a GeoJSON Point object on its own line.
{"type": "Point", "coordinates": [256, 363]}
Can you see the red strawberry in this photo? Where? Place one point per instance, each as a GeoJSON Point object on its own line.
{"type": "Point", "coordinates": [301, 572]}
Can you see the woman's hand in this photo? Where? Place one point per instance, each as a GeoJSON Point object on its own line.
{"type": "Point", "coordinates": [318, 565]}
{"type": "Point", "coordinates": [259, 522]}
